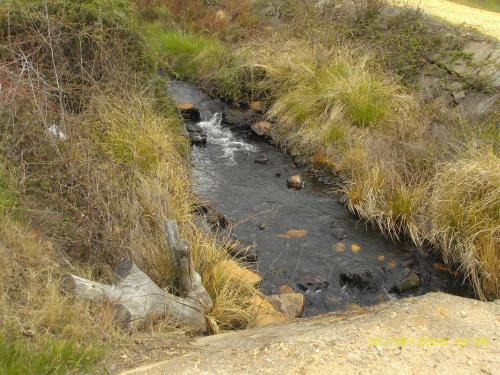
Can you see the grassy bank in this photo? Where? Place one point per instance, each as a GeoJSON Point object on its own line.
{"type": "Point", "coordinates": [94, 160]}
{"type": "Point", "coordinates": [340, 87]}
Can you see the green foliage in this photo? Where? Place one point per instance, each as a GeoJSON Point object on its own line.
{"type": "Point", "coordinates": [366, 98]}
{"type": "Point", "coordinates": [189, 56]}
{"type": "Point", "coordinates": [195, 57]}
{"type": "Point", "coordinates": [22, 356]}
{"type": "Point", "coordinates": [230, 81]}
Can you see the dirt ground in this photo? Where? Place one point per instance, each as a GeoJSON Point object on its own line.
{"type": "Point", "coordinates": [485, 21]}
{"type": "Point", "coordinates": [432, 334]}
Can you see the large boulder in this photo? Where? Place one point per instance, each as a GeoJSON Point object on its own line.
{"type": "Point", "coordinates": [290, 304]}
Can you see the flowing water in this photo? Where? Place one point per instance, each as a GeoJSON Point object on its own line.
{"type": "Point", "coordinates": [304, 238]}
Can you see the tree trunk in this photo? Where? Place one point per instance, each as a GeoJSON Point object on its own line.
{"type": "Point", "coordinates": [137, 299]}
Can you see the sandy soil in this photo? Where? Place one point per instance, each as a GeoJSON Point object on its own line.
{"type": "Point", "coordinates": [432, 334]}
{"type": "Point", "coordinates": [485, 21]}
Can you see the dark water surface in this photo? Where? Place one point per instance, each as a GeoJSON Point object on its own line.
{"type": "Point", "coordinates": [300, 244]}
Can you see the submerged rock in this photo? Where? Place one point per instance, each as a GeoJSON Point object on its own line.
{"type": "Point", "coordinates": [290, 304]}
{"type": "Point", "coordinates": [410, 281]}
{"type": "Point", "coordinates": [262, 128]}
{"type": "Point", "coordinates": [312, 284]}
{"type": "Point", "coordinates": [339, 233]}
{"type": "Point", "coordinates": [362, 280]}
{"type": "Point", "coordinates": [262, 159]}
{"type": "Point", "coordinates": [295, 182]}
{"type": "Point", "coordinates": [189, 111]}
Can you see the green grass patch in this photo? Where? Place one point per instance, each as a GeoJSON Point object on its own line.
{"type": "Point", "coordinates": [22, 356]}
{"type": "Point", "coordinates": [366, 98]}
{"type": "Point", "coordinates": [189, 56]}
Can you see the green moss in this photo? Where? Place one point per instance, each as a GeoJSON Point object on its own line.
{"type": "Point", "coordinates": [20, 356]}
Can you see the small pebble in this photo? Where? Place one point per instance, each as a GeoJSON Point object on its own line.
{"type": "Point", "coordinates": [262, 226]}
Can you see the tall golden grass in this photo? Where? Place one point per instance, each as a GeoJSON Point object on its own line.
{"type": "Point", "coordinates": [464, 210]}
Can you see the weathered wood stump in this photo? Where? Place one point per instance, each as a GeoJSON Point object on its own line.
{"type": "Point", "coordinates": [137, 299]}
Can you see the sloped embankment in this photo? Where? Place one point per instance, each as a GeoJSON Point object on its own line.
{"type": "Point", "coordinates": [435, 333]}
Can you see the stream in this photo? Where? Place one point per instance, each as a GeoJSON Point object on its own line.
{"type": "Point", "coordinates": [304, 238]}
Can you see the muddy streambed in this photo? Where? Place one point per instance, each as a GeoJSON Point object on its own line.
{"type": "Point", "coordinates": [303, 238]}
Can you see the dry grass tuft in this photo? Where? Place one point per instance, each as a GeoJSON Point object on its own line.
{"type": "Point", "coordinates": [465, 216]}
{"type": "Point", "coordinates": [232, 296]}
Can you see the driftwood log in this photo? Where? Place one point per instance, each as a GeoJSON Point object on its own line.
{"type": "Point", "coordinates": [137, 299]}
